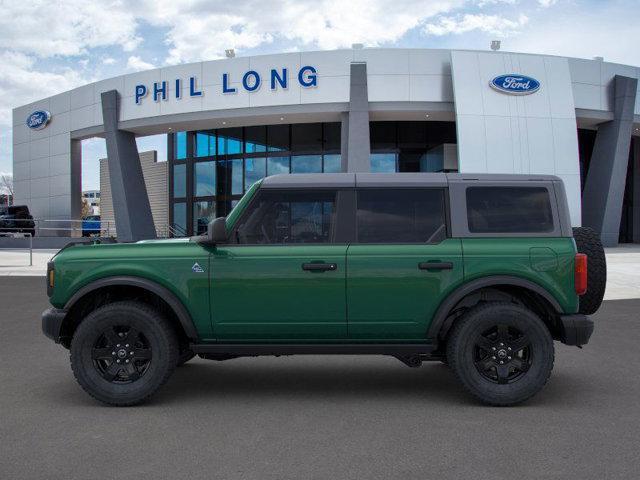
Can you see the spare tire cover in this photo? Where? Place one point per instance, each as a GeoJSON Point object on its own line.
{"type": "Point", "coordinates": [588, 242]}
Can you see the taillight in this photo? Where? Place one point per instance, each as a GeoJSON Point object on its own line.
{"type": "Point", "coordinates": [581, 273]}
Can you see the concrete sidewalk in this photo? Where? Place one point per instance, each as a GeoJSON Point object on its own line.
{"type": "Point", "coordinates": [623, 267]}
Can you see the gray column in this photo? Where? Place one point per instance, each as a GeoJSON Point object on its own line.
{"type": "Point", "coordinates": [636, 190]}
{"type": "Point", "coordinates": [357, 142]}
{"type": "Point", "coordinates": [604, 186]}
{"type": "Point", "coordinates": [344, 141]}
{"type": "Point", "coordinates": [129, 193]}
{"type": "Point", "coordinates": [76, 184]}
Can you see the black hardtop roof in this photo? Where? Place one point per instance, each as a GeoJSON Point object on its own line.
{"type": "Point", "coordinates": [418, 179]}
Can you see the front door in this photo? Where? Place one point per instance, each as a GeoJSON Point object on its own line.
{"type": "Point", "coordinates": [402, 265]}
{"type": "Point", "coordinates": [284, 276]}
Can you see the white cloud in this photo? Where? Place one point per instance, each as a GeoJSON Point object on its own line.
{"type": "Point", "coordinates": [46, 28]}
{"type": "Point", "coordinates": [491, 24]}
{"type": "Point", "coordinates": [325, 24]}
{"type": "Point", "coordinates": [136, 63]}
{"type": "Point", "coordinates": [108, 61]}
{"type": "Point", "coordinates": [20, 83]}
{"type": "Point", "coordinates": [547, 3]}
{"type": "Point", "coordinates": [589, 36]}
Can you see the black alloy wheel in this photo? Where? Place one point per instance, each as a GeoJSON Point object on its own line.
{"type": "Point", "coordinates": [122, 352]}
{"type": "Point", "coordinates": [501, 352]}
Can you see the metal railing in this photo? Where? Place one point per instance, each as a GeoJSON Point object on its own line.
{"type": "Point", "coordinates": [40, 227]}
{"type": "Point", "coordinates": [23, 235]}
{"type": "Point", "coordinates": [75, 228]}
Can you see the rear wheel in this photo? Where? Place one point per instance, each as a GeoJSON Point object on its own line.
{"type": "Point", "coordinates": [123, 352]}
{"type": "Point", "coordinates": [501, 352]}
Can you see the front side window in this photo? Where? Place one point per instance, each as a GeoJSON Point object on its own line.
{"type": "Point", "coordinates": [509, 210]}
{"type": "Point", "coordinates": [401, 216]}
{"type": "Point", "coordinates": [289, 217]}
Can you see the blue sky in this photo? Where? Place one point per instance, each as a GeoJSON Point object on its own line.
{"type": "Point", "coordinates": [50, 47]}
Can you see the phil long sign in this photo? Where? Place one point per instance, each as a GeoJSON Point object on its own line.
{"type": "Point", "coordinates": [250, 81]}
{"type": "Point", "coordinates": [515, 84]}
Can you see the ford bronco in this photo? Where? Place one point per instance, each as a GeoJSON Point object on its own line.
{"type": "Point", "coordinates": [481, 272]}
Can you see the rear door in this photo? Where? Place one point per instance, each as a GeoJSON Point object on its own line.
{"type": "Point", "coordinates": [284, 278]}
{"type": "Point", "coordinates": [402, 264]}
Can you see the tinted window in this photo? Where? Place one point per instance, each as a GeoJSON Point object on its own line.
{"type": "Point", "coordinates": [180, 146]}
{"type": "Point", "coordinates": [204, 181]}
{"type": "Point", "coordinates": [509, 210]}
{"type": "Point", "coordinates": [278, 217]}
{"type": "Point", "coordinates": [205, 144]}
{"type": "Point", "coordinates": [179, 180]}
{"type": "Point", "coordinates": [401, 216]}
{"type": "Point", "coordinates": [254, 170]}
{"type": "Point", "coordinates": [306, 164]}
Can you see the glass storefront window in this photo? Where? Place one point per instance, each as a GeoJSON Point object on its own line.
{"type": "Point", "coordinates": [180, 146]}
{"type": "Point", "coordinates": [277, 165]}
{"type": "Point", "coordinates": [306, 164]}
{"type": "Point", "coordinates": [205, 144]}
{"type": "Point", "coordinates": [254, 170]}
{"type": "Point", "coordinates": [383, 162]}
{"type": "Point", "coordinates": [204, 179]}
{"type": "Point", "coordinates": [180, 180]}
{"type": "Point", "coordinates": [203, 213]}
{"type": "Point", "coordinates": [229, 141]}
{"type": "Point", "coordinates": [332, 164]}
{"type": "Point", "coordinates": [244, 155]}
{"type": "Point", "coordinates": [180, 218]}
{"type": "Point", "coordinates": [278, 137]}
{"type": "Point", "coordinates": [306, 137]}
{"type": "Point", "coordinates": [331, 140]}
{"type": "Point", "coordinates": [236, 177]}
{"type": "Point", "coordinates": [255, 139]}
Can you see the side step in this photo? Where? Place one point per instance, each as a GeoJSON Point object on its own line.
{"type": "Point", "coordinates": [250, 350]}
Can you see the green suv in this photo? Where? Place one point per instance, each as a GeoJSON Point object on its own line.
{"type": "Point", "coordinates": [481, 272]}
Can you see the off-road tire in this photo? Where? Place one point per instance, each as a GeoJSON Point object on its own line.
{"type": "Point", "coordinates": [462, 349]}
{"type": "Point", "coordinates": [155, 330]}
{"type": "Point", "coordinates": [588, 242]}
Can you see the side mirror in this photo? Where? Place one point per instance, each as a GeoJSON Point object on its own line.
{"type": "Point", "coordinates": [217, 230]}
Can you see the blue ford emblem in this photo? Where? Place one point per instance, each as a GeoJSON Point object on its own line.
{"type": "Point", "coordinates": [515, 84]}
{"type": "Point", "coordinates": [38, 119]}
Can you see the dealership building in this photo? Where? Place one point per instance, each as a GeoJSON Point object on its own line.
{"type": "Point", "coordinates": [231, 122]}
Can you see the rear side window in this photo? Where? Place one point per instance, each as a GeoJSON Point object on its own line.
{"type": "Point", "coordinates": [509, 210]}
{"type": "Point", "coordinates": [401, 216]}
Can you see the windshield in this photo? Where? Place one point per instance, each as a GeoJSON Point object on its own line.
{"type": "Point", "coordinates": [242, 203]}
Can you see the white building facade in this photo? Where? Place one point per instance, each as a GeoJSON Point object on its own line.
{"type": "Point", "coordinates": [344, 110]}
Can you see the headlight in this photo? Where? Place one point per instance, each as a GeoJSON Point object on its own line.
{"type": "Point", "coordinates": [51, 278]}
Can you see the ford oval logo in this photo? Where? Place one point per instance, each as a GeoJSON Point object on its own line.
{"type": "Point", "coordinates": [515, 84]}
{"type": "Point", "coordinates": [38, 119]}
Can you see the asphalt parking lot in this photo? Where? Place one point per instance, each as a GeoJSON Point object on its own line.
{"type": "Point", "coordinates": [316, 417]}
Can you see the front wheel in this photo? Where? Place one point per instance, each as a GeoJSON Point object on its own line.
{"type": "Point", "coordinates": [501, 352]}
{"type": "Point", "coordinates": [123, 352]}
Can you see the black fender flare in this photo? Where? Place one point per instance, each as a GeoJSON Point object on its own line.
{"type": "Point", "coordinates": [164, 293]}
{"type": "Point", "coordinates": [439, 324]}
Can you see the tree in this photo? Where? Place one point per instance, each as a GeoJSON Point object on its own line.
{"type": "Point", "coordinates": [86, 208]}
{"type": "Point", "coordinates": [6, 184]}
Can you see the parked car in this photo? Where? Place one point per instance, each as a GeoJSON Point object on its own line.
{"type": "Point", "coordinates": [480, 272]}
{"type": "Point", "coordinates": [91, 225]}
{"type": "Point", "coordinates": [17, 219]}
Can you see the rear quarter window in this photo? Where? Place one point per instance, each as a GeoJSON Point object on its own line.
{"type": "Point", "coordinates": [509, 210]}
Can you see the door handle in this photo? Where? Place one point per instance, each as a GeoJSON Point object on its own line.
{"type": "Point", "coordinates": [435, 265]}
{"type": "Point", "coordinates": [319, 267]}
